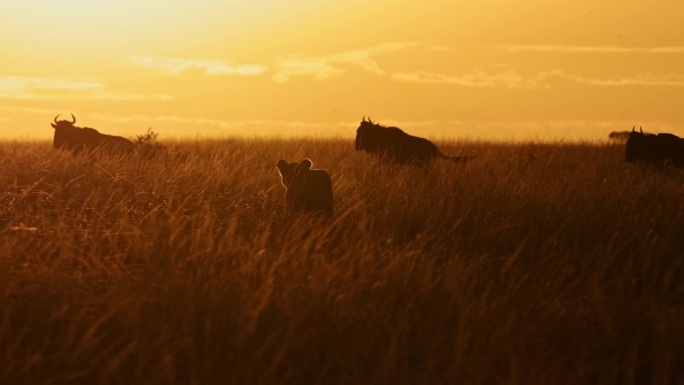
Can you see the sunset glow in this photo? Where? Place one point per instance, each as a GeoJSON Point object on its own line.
{"type": "Point", "coordinates": [485, 69]}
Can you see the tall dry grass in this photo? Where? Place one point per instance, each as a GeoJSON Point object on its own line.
{"type": "Point", "coordinates": [533, 264]}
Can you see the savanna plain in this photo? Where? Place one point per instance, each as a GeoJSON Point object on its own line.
{"type": "Point", "coordinates": [534, 263]}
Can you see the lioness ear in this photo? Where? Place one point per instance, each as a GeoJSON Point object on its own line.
{"type": "Point", "coordinates": [281, 166]}
{"type": "Point", "coordinates": [306, 163]}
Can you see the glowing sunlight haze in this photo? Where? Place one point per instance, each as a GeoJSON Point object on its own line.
{"type": "Point", "coordinates": [485, 69]}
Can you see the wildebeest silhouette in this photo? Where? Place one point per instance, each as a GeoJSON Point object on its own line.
{"type": "Point", "coordinates": [392, 144]}
{"type": "Point", "coordinates": [86, 139]}
{"type": "Point", "coordinates": [662, 150]}
{"type": "Point", "coordinates": [307, 191]}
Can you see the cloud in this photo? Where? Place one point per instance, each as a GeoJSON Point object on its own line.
{"type": "Point", "coordinates": [568, 130]}
{"type": "Point", "coordinates": [324, 67]}
{"type": "Point", "coordinates": [184, 126]}
{"type": "Point", "coordinates": [643, 79]}
{"type": "Point", "coordinates": [37, 88]}
{"type": "Point", "coordinates": [512, 79]}
{"type": "Point", "coordinates": [319, 69]}
{"type": "Point", "coordinates": [496, 130]}
{"type": "Point", "coordinates": [180, 126]}
{"type": "Point", "coordinates": [175, 66]}
{"type": "Point", "coordinates": [506, 78]}
{"type": "Point", "coordinates": [209, 122]}
{"type": "Point", "coordinates": [20, 84]}
{"type": "Point", "coordinates": [515, 48]}
{"type": "Point", "coordinates": [328, 66]}
{"type": "Point", "coordinates": [26, 110]}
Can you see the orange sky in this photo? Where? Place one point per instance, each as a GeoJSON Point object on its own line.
{"type": "Point", "coordinates": [482, 69]}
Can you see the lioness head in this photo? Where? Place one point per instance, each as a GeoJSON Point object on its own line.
{"type": "Point", "coordinates": [291, 172]}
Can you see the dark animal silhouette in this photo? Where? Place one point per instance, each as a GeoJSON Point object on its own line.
{"type": "Point", "coordinates": [662, 150]}
{"type": "Point", "coordinates": [307, 191]}
{"type": "Point", "coordinates": [619, 136]}
{"type": "Point", "coordinates": [392, 144]}
{"type": "Point", "coordinates": [85, 139]}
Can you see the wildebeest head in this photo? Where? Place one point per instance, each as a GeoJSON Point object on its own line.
{"type": "Point", "coordinates": [64, 131]}
{"type": "Point", "coordinates": [375, 138]}
{"type": "Point", "coordinates": [365, 135]}
{"type": "Point", "coordinates": [641, 147]}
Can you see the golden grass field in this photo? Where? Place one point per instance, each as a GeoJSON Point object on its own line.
{"type": "Point", "coordinates": [532, 264]}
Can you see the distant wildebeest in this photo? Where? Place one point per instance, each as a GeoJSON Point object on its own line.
{"type": "Point", "coordinates": [307, 191]}
{"type": "Point", "coordinates": [394, 145]}
{"type": "Point", "coordinates": [663, 150]}
{"type": "Point", "coordinates": [78, 139]}
{"type": "Point", "coordinates": [619, 136]}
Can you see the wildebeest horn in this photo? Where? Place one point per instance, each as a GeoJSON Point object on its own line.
{"type": "Point", "coordinates": [73, 118]}
{"type": "Point", "coordinates": [633, 127]}
{"type": "Point", "coordinates": [56, 118]}
{"type": "Point", "coordinates": [640, 130]}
